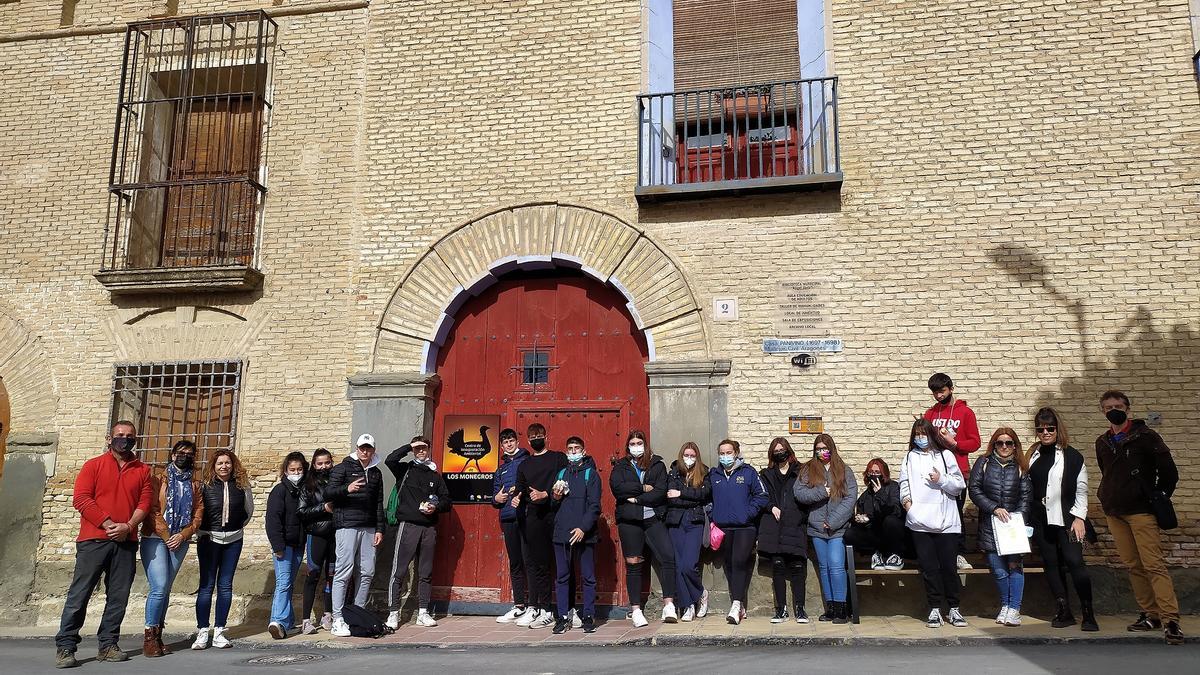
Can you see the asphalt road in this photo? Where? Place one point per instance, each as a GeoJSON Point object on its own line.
{"type": "Point", "coordinates": [37, 656]}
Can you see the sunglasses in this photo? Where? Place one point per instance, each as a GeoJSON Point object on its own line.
{"type": "Point", "coordinates": [1004, 444]}
{"type": "Point", "coordinates": [1045, 430]}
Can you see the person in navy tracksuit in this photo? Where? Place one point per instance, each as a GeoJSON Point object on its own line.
{"type": "Point", "coordinates": [576, 496]}
{"type": "Point", "coordinates": [504, 483]}
{"type": "Point", "coordinates": [738, 496]}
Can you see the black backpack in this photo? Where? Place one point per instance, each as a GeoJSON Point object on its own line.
{"type": "Point", "coordinates": [363, 623]}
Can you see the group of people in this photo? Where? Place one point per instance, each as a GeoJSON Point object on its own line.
{"type": "Point", "coordinates": [334, 515]}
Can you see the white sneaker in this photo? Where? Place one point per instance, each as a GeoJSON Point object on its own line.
{"type": "Point", "coordinates": [201, 639]}
{"type": "Point", "coordinates": [393, 620]}
{"type": "Point", "coordinates": [1014, 617]}
{"type": "Point", "coordinates": [327, 621]}
{"type": "Point", "coordinates": [1002, 616]}
{"type": "Point", "coordinates": [276, 630]}
{"type": "Point", "coordinates": [962, 563]}
{"type": "Point", "coordinates": [935, 618]}
{"type": "Point", "coordinates": [544, 620]}
{"type": "Point", "coordinates": [688, 614]}
{"type": "Point", "coordinates": [219, 640]}
{"type": "Point", "coordinates": [638, 618]}
{"type": "Point", "coordinates": [512, 615]}
{"type": "Point", "coordinates": [956, 618]}
{"type": "Point", "coordinates": [876, 561]}
{"type": "Point", "coordinates": [894, 562]}
{"type": "Point", "coordinates": [702, 606]}
{"type": "Point", "coordinates": [340, 629]}
{"type": "Point", "coordinates": [735, 613]}
{"type": "Point", "coordinates": [573, 615]}
{"type": "Point", "coordinates": [425, 620]}
{"type": "Point", "coordinates": [307, 628]}
{"type": "Point", "coordinates": [530, 615]}
{"type": "Point", "coordinates": [669, 615]}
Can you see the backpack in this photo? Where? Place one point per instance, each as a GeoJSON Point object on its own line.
{"type": "Point", "coordinates": [363, 623]}
{"type": "Point", "coordinates": [587, 475]}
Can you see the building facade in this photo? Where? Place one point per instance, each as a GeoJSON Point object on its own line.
{"type": "Point", "coordinates": [316, 219]}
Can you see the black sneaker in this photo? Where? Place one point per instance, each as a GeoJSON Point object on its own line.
{"type": "Point", "coordinates": [801, 615]}
{"type": "Point", "coordinates": [561, 625]}
{"type": "Point", "coordinates": [781, 615]}
{"type": "Point", "coordinates": [589, 624]}
{"type": "Point", "coordinates": [1143, 624]}
{"type": "Point", "coordinates": [65, 659]}
{"type": "Point", "coordinates": [1173, 634]}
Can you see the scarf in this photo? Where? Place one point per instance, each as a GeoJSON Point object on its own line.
{"type": "Point", "coordinates": [178, 511]}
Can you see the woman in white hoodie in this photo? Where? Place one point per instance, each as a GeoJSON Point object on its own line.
{"type": "Point", "coordinates": [930, 482]}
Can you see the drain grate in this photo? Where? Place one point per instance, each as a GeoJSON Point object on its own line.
{"type": "Point", "coordinates": [284, 659]}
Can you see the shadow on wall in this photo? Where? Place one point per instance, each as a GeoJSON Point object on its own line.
{"type": "Point", "coordinates": [1160, 371]}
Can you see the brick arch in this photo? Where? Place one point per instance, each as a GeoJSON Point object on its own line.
{"type": "Point", "coordinates": [478, 253]}
{"type": "Point", "coordinates": [28, 378]}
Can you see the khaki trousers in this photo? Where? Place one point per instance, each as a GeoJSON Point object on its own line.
{"type": "Point", "coordinates": [1140, 546]}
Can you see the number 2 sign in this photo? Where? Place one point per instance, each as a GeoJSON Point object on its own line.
{"type": "Point", "coordinates": [725, 309]}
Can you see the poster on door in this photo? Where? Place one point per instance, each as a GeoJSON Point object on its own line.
{"type": "Point", "coordinates": [470, 457]}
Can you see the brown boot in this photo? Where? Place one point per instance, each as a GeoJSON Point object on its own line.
{"type": "Point", "coordinates": [158, 639]}
{"type": "Point", "coordinates": [150, 648]}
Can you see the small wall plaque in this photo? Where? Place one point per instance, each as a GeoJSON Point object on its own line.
{"type": "Point", "coordinates": [806, 424]}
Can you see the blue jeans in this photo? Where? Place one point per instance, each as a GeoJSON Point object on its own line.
{"type": "Point", "coordinates": [286, 570]}
{"type": "Point", "coordinates": [218, 562]}
{"type": "Point", "coordinates": [1010, 578]}
{"type": "Point", "coordinates": [831, 567]}
{"type": "Point", "coordinates": [564, 555]}
{"type": "Point", "coordinates": [686, 539]}
{"type": "Point", "coordinates": [161, 565]}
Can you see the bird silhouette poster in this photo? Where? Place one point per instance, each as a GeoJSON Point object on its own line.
{"type": "Point", "coordinates": [471, 456]}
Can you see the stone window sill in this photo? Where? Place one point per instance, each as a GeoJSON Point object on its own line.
{"type": "Point", "coordinates": [225, 279]}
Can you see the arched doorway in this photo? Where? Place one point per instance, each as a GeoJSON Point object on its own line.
{"type": "Point", "coordinates": [5, 422]}
{"type": "Point", "coordinates": [554, 347]}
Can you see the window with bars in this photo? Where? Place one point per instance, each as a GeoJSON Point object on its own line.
{"type": "Point", "coordinates": [169, 402]}
{"type": "Point", "coordinates": [187, 178]}
{"type": "Point", "coordinates": [535, 367]}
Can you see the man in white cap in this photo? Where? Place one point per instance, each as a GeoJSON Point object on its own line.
{"type": "Point", "coordinates": [355, 494]}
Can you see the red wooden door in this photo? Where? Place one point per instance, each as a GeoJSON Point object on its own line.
{"type": "Point", "coordinates": [556, 349]}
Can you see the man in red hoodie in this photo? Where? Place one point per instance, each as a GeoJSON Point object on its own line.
{"type": "Point", "coordinates": [112, 495]}
{"type": "Point", "coordinates": [955, 421]}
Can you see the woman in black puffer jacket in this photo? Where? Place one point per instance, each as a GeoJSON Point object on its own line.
{"type": "Point", "coordinates": [688, 496]}
{"type": "Point", "coordinates": [782, 538]}
{"type": "Point", "coordinates": [318, 526]}
{"type": "Point", "coordinates": [1000, 486]}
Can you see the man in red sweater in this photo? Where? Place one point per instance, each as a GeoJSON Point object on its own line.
{"type": "Point", "coordinates": [112, 495]}
{"type": "Point", "coordinates": [955, 421]}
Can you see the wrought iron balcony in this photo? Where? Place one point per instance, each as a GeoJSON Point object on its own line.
{"type": "Point", "coordinates": [188, 175]}
{"type": "Point", "coordinates": [734, 139]}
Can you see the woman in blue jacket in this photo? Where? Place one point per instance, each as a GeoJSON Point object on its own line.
{"type": "Point", "coordinates": [738, 497]}
{"type": "Point", "coordinates": [828, 488]}
{"type": "Point", "coordinates": [576, 496]}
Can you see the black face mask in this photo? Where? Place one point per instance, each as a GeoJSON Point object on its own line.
{"type": "Point", "coordinates": [183, 463]}
{"type": "Point", "coordinates": [322, 474]}
{"type": "Point", "coordinates": [945, 400]}
{"type": "Point", "coordinates": [1117, 417]}
{"type": "Point", "coordinates": [123, 445]}
{"type": "Point", "coordinates": [538, 444]}
{"type": "Point", "coordinates": [779, 456]}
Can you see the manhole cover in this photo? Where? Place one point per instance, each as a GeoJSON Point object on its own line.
{"type": "Point", "coordinates": [284, 659]}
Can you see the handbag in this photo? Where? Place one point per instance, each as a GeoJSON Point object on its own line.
{"type": "Point", "coordinates": [715, 536]}
{"type": "Point", "coordinates": [1160, 503]}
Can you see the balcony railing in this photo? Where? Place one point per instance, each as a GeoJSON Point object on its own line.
{"type": "Point", "coordinates": [187, 178]}
{"type": "Point", "coordinates": [732, 139]}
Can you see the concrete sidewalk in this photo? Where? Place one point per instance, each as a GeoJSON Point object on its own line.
{"type": "Point", "coordinates": [481, 632]}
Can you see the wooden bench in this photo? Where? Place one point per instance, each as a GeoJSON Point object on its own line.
{"type": "Point", "coordinates": [852, 575]}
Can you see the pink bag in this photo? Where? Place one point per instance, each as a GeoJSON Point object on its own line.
{"type": "Point", "coordinates": [715, 536]}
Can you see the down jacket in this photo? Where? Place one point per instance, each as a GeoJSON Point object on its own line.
{"type": "Point", "coordinates": [827, 519]}
{"type": "Point", "coordinates": [691, 501]}
{"type": "Point", "coordinates": [786, 535]}
{"type": "Point", "coordinates": [998, 485]}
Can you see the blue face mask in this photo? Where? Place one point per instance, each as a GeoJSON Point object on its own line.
{"type": "Point", "coordinates": [573, 458]}
{"type": "Point", "coordinates": [726, 460]}
{"type": "Point", "coordinates": [921, 442]}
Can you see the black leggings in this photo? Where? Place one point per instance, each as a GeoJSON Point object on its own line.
{"type": "Point", "coordinates": [1060, 555]}
{"type": "Point", "coordinates": [785, 567]}
{"type": "Point", "coordinates": [936, 557]}
{"type": "Point", "coordinates": [320, 559]}
{"type": "Point", "coordinates": [739, 560]}
{"type": "Point", "coordinates": [539, 542]}
{"type": "Point", "coordinates": [635, 538]}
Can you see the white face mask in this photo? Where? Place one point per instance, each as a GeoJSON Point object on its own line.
{"type": "Point", "coordinates": [573, 457]}
{"type": "Point", "coordinates": [689, 462]}
{"type": "Point", "coordinates": [295, 478]}
{"type": "Point", "coordinates": [637, 450]}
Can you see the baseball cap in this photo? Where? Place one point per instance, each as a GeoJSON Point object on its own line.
{"type": "Point", "coordinates": [365, 439]}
